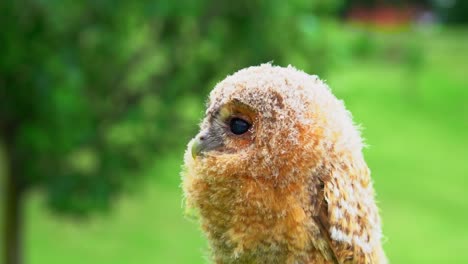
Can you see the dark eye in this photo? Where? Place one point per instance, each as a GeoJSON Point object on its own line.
{"type": "Point", "coordinates": [238, 126]}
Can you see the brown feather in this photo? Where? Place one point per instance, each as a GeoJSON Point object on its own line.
{"type": "Point", "coordinates": [295, 187]}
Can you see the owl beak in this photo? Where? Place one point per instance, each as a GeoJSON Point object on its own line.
{"type": "Point", "coordinates": [196, 147]}
{"type": "Point", "coordinates": [203, 142]}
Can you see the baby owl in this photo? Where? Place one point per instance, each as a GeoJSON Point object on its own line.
{"type": "Point", "coordinates": [277, 173]}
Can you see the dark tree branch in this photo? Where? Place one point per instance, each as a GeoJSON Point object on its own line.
{"type": "Point", "coordinates": [13, 208]}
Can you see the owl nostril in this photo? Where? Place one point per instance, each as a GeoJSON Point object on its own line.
{"type": "Point", "coordinates": [202, 137]}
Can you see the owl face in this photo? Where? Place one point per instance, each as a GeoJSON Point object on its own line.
{"type": "Point", "coordinates": [261, 124]}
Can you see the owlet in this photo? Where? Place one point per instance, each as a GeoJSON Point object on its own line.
{"type": "Point", "coordinates": [277, 175]}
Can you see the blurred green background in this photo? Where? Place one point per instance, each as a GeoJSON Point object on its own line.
{"type": "Point", "coordinates": [99, 98]}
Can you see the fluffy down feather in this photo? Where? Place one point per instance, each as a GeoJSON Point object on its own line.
{"type": "Point", "coordinates": [294, 188]}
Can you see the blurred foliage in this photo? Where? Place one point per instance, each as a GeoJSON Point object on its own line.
{"type": "Point", "coordinates": [452, 11]}
{"type": "Point", "coordinates": [91, 90]}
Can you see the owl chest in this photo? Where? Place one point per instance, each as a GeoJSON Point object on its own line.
{"type": "Point", "coordinates": [245, 217]}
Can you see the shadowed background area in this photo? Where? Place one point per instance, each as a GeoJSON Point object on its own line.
{"type": "Point", "coordinates": [99, 98]}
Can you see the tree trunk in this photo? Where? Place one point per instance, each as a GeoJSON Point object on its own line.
{"type": "Point", "coordinates": [13, 221]}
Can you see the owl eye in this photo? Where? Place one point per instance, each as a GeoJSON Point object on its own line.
{"type": "Point", "coordinates": [238, 126]}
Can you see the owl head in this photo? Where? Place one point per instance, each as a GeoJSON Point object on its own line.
{"type": "Point", "coordinates": [262, 121]}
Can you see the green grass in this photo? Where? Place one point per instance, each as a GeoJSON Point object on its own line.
{"type": "Point", "coordinates": [147, 227]}
{"type": "Point", "coordinates": [415, 123]}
